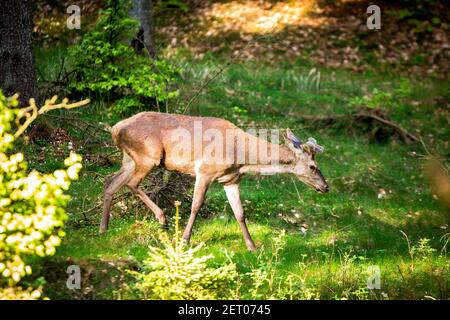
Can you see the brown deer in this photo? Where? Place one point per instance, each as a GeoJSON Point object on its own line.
{"type": "Point", "coordinates": [222, 152]}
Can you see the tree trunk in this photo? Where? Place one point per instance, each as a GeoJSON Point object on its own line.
{"type": "Point", "coordinates": [143, 11]}
{"type": "Point", "coordinates": [17, 74]}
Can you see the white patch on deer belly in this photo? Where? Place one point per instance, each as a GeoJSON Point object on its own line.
{"type": "Point", "coordinates": [197, 165]}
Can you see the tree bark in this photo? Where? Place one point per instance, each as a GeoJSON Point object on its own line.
{"type": "Point", "coordinates": [143, 11]}
{"type": "Point", "coordinates": [17, 73]}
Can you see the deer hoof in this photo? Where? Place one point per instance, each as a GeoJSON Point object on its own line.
{"type": "Point", "coordinates": [164, 226]}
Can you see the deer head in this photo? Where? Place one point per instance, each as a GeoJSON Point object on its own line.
{"type": "Point", "coordinates": [305, 166]}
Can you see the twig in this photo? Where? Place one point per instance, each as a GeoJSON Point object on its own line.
{"type": "Point", "coordinates": [400, 271]}
{"type": "Point", "coordinates": [88, 124]}
{"type": "Point", "coordinates": [204, 86]}
{"type": "Point", "coordinates": [234, 58]}
{"type": "Point", "coordinates": [31, 112]}
{"type": "Point", "coordinates": [444, 248]}
{"type": "Point", "coordinates": [63, 61]}
{"type": "Point", "coordinates": [296, 189]}
{"type": "Point", "coordinates": [407, 136]}
{"type": "Point", "coordinates": [146, 48]}
{"type": "Point", "coordinates": [116, 199]}
{"type": "Point", "coordinates": [409, 250]}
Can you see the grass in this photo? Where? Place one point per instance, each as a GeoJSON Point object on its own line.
{"type": "Point", "coordinates": [347, 230]}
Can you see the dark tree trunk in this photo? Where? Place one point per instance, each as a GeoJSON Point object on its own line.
{"type": "Point", "coordinates": [143, 11]}
{"type": "Point", "coordinates": [17, 74]}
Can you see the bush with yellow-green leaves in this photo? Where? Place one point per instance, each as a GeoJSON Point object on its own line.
{"type": "Point", "coordinates": [177, 271]}
{"type": "Point", "coordinates": [31, 208]}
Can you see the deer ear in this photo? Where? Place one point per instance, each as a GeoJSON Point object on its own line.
{"type": "Point", "coordinates": [313, 146]}
{"type": "Point", "coordinates": [292, 140]}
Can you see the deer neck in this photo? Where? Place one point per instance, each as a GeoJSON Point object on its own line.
{"type": "Point", "coordinates": [268, 163]}
{"type": "Point", "coordinates": [266, 169]}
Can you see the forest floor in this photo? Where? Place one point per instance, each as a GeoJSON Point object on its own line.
{"type": "Point", "coordinates": [380, 211]}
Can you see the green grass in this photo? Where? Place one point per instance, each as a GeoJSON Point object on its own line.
{"type": "Point", "coordinates": [349, 228]}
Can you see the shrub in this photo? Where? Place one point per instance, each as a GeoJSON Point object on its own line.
{"type": "Point", "coordinates": [422, 250]}
{"type": "Point", "coordinates": [31, 207]}
{"type": "Point", "coordinates": [176, 271]}
{"type": "Point", "coordinates": [107, 66]}
{"type": "Point", "coordinates": [386, 100]}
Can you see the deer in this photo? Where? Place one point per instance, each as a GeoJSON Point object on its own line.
{"type": "Point", "coordinates": [151, 139]}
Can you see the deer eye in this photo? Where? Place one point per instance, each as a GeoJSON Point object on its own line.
{"type": "Point", "coordinates": [313, 168]}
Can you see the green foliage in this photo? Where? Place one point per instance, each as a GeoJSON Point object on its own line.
{"type": "Point", "coordinates": [106, 65]}
{"type": "Point", "coordinates": [176, 271]}
{"type": "Point", "coordinates": [266, 274]}
{"type": "Point", "coordinates": [384, 99]}
{"type": "Point", "coordinates": [376, 100]}
{"type": "Point", "coordinates": [416, 9]}
{"type": "Point", "coordinates": [269, 281]}
{"type": "Point", "coordinates": [404, 89]}
{"type": "Point", "coordinates": [31, 208]}
{"type": "Point", "coordinates": [309, 82]}
{"type": "Point", "coordinates": [422, 250]}
{"type": "Point", "coordinates": [171, 4]}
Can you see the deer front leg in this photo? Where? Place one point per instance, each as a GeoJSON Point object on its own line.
{"type": "Point", "coordinates": [159, 214]}
{"type": "Point", "coordinates": [201, 185]}
{"type": "Point", "coordinates": [234, 199]}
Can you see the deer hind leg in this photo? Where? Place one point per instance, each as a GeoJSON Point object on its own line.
{"type": "Point", "coordinates": [140, 172]}
{"type": "Point", "coordinates": [112, 186]}
{"type": "Point", "coordinates": [234, 199]}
